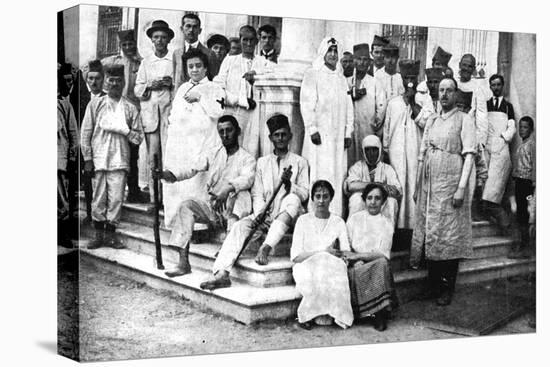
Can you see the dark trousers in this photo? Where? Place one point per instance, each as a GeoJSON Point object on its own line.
{"type": "Point", "coordinates": [524, 188]}
{"type": "Point", "coordinates": [442, 274]}
{"type": "Point", "coordinates": [133, 175]}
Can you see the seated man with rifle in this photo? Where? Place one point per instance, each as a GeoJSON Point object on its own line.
{"type": "Point", "coordinates": [275, 210]}
{"type": "Point", "coordinates": [230, 176]}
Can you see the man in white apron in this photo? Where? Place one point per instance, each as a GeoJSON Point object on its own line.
{"type": "Point", "coordinates": [501, 130]}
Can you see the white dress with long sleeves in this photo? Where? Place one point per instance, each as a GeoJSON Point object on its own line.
{"type": "Point", "coordinates": [321, 279]}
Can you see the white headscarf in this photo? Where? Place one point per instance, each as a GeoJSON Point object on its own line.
{"type": "Point", "coordinates": [372, 141]}
{"type": "Point", "coordinates": [319, 61]}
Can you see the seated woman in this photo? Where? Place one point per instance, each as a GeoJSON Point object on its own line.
{"type": "Point", "coordinates": [319, 272]}
{"type": "Point", "coordinates": [370, 277]}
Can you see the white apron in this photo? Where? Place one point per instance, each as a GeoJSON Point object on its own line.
{"type": "Point", "coordinates": [497, 155]}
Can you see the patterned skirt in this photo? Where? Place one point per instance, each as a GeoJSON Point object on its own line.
{"type": "Point", "coordinates": [371, 286]}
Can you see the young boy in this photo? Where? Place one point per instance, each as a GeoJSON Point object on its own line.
{"type": "Point", "coordinates": [110, 124]}
{"type": "Point", "coordinates": [523, 174]}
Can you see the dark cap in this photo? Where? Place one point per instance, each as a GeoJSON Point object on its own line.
{"type": "Point", "coordinates": [409, 67]}
{"type": "Point", "coordinates": [126, 36]}
{"type": "Point", "coordinates": [391, 50]}
{"type": "Point", "coordinates": [442, 56]}
{"type": "Point", "coordinates": [277, 122]}
{"type": "Point", "coordinates": [218, 39]}
{"type": "Point", "coordinates": [160, 25]}
{"type": "Point", "coordinates": [114, 70]}
{"type": "Point", "coordinates": [66, 68]}
{"type": "Point", "coordinates": [361, 49]}
{"type": "Point", "coordinates": [95, 66]}
{"type": "Point", "coordinates": [379, 41]}
{"type": "Point", "coordinates": [435, 73]}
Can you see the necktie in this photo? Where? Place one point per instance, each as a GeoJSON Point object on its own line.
{"type": "Point", "coordinates": [496, 103]}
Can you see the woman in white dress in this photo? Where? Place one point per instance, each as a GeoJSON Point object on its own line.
{"type": "Point", "coordinates": [370, 276]}
{"type": "Point", "coordinates": [191, 132]}
{"type": "Point", "coordinates": [319, 272]}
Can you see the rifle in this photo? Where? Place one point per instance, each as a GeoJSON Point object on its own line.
{"type": "Point", "coordinates": [262, 215]}
{"type": "Point", "coordinates": [156, 224]}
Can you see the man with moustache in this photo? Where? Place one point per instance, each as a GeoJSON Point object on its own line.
{"type": "Point", "coordinates": [369, 103]}
{"type": "Point", "coordinates": [285, 209]}
{"type": "Point", "coordinates": [389, 78]}
{"type": "Point", "coordinates": [110, 124]}
{"type": "Point", "coordinates": [191, 29]}
{"type": "Point", "coordinates": [347, 64]}
{"type": "Point", "coordinates": [236, 77]}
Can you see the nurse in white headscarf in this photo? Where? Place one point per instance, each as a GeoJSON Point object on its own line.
{"type": "Point", "coordinates": [373, 170]}
{"type": "Point", "coordinates": [327, 111]}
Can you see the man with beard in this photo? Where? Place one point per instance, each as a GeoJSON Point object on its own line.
{"type": "Point", "coordinates": [268, 36]}
{"type": "Point", "coordinates": [369, 103]}
{"type": "Point", "coordinates": [191, 29]}
{"type": "Point", "coordinates": [236, 77]}
{"type": "Point", "coordinates": [111, 122]}
{"type": "Point", "coordinates": [131, 60]}
{"type": "Point", "coordinates": [347, 64]}
{"type": "Point", "coordinates": [219, 45]}
{"type": "Point", "coordinates": [230, 170]}
{"type": "Point", "coordinates": [377, 52]}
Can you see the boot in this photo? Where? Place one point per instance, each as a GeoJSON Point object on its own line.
{"type": "Point", "coordinates": [380, 323]}
{"type": "Point", "coordinates": [219, 280]}
{"type": "Point", "coordinates": [111, 238]}
{"type": "Point", "coordinates": [521, 251]}
{"type": "Point", "coordinates": [432, 289]}
{"type": "Point", "coordinates": [183, 266]}
{"type": "Point", "coordinates": [99, 240]}
{"type": "Point", "coordinates": [478, 213]}
{"type": "Point", "coordinates": [63, 238]}
{"type": "Point", "coordinates": [448, 281]}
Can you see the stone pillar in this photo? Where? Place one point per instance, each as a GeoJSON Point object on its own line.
{"type": "Point", "coordinates": [279, 92]}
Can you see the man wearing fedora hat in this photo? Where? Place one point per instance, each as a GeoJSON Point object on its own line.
{"type": "Point", "coordinates": [155, 90]}
{"type": "Point", "coordinates": [110, 124]}
{"type": "Point", "coordinates": [130, 59]}
{"type": "Point", "coordinates": [369, 102]}
{"type": "Point", "coordinates": [191, 29]}
{"type": "Point", "coordinates": [403, 130]}
{"type": "Point", "coordinates": [220, 46]}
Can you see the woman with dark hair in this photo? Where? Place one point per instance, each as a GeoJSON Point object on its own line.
{"type": "Point", "coordinates": [191, 132]}
{"type": "Point", "coordinates": [370, 277]}
{"type": "Point", "coordinates": [319, 272]}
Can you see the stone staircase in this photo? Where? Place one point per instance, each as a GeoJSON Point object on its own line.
{"type": "Point", "coordinates": [267, 292]}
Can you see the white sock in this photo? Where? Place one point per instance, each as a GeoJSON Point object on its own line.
{"type": "Point", "coordinates": [276, 231]}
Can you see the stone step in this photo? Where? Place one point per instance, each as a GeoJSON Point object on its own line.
{"type": "Point", "coordinates": [242, 302]}
{"type": "Point", "coordinates": [140, 239]}
{"type": "Point", "coordinates": [249, 304]}
{"type": "Point", "coordinates": [143, 214]}
{"type": "Point", "coordinates": [410, 282]}
{"type": "Point", "coordinates": [279, 270]}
